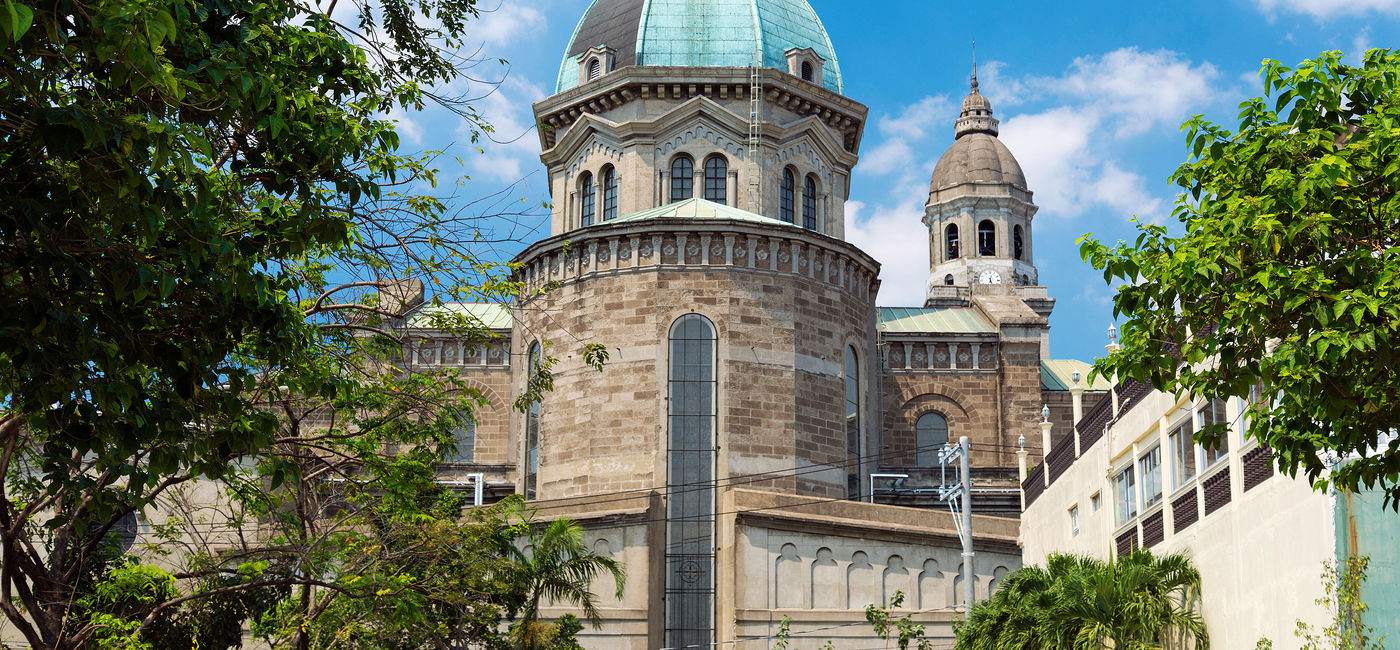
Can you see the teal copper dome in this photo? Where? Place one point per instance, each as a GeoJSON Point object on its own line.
{"type": "Point", "coordinates": [700, 33]}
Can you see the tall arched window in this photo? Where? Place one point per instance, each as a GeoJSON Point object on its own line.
{"type": "Point", "coordinates": [690, 501]}
{"type": "Point", "coordinates": [809, 203]}
{"type": "Point", "coordinates": [532, 426]}
{"type": "Point", "coordinates": [852, 423]}
{"type": "Point", "coordinates": [785, 196]}
{"type": "Point", "coordinates": [585, 200]}
{"type": "Point", "coordinates": [986, 238]}
{"type": "Point", "coordinates": [609, 194]}
{"type": "Point", "coordinates": [1017, 246]}
{"type": "Point", "coordinates": [806, 70]}
{"type": "Point", "coordinates": [716, 179]}
{"type": "Point", "coordinates": [682, 178]}
{"type": "Point", "coordinates": [930, 436]}
{"type": "Point", "coordinates": [595, 68]}
{"type": "Point", "coordinates": [950, 235]}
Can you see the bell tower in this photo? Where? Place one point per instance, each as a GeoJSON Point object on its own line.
{"type": "Point", "coordinates": [979, 210]}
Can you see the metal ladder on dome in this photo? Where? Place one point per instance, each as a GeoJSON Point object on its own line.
{"type": "Point", "coordinates": [755, 151]}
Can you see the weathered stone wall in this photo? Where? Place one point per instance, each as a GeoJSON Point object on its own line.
{"type": "Point", "coordinates": [785, 304]}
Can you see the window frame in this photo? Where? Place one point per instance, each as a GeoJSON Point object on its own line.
{"type": "Point", "coordinates": [717, 179]}
{"type": "Point", "coordinates": [951, 247]}
{"type": "Point", "coordinates": [587, 205]}
{"type": "Point", "coordinates": [921, 448]}
{"type": "Point", "coordinates": [682, 183]}
{"type": "Point", "coordinates": [786, 192]}
{"type": "Point", "coordinates": [809, 202]}
{"type": "Point", "coordinates": [1150, 475]}
{"type": "Point", "coordinates": [1124, 484]}
{"type": "Point", "coordinates": [609, 193]}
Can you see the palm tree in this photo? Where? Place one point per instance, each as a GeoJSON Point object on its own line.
{"type": "Point", "coordinates": [558, 565]}
{"type": "Point", "coordinates": [1140, 602]}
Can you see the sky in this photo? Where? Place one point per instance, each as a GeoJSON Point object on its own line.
{"type": "Point", "coordinates": [1091, 96]}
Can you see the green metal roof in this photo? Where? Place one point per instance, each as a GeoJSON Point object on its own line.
{"type": "Point", "coordinates": [700, 33]}
{"type": "Point", "coordinates": [695, 208]}
{"type": "Point", "coordinates": [489, 315]}
{"type": "Point", "coordinates": [1058, 374]}
{"type": "Point", "coordinates": [913, 320]}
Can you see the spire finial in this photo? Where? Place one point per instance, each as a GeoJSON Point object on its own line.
{"type": "Point", "coordinates": [974, 66]}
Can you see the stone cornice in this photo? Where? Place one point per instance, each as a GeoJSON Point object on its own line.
{"type": "Point", "coordinates": [955, 197]}
{"type": "Point", "coordinates": [557, 113]}
{"type": "Point", "coordinates": [675, 243]}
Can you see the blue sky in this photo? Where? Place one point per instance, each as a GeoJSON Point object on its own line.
{"type": "Point", "coordinates": [1090, 96]}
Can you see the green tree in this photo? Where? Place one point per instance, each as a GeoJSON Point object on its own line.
{"type": "Point", "coordinates": [905, 630]}
{"type": "Point", "coordinates": [1138, 602]}
{"type": "Point", "coordinates": [1285, 282]}
{"type": "Point", "coordinates": [557, 566]}
{"type": "Point", "coordinates": [179, 180]}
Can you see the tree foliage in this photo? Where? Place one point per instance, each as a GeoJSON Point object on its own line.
{"type": "Point", "coordinates": [1286, 280]}
{"type": "Point", "coordinates": [1341, 599]}
{"type": "Point", "coordinates": [1139, 602]}
{"type": "Point", "coordinates": [557, 566]}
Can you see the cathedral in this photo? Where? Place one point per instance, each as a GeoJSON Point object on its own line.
{"type": "Point", "coordinates": [764, 441]}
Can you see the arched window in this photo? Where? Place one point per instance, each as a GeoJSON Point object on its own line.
{"type": "Point", "coordinates": [690, 504]}
{"type": "Point", "coordinates": [809, 203]}
{"type": "Point", "coordinates": [951, 236]}
{"type": "Point", "coordinates": [948, 279]}
{"type": "Point", "coordinates": [785, 196]}
{"type": "Point", "coordinates": [806, 70]}
{"type": "Point", "coordinates": [986, 238]}
{"type": "Point", "coordinates": [609, 194]}
{"type": "Point", "coordinates": [585, 200]}
{"type": "Point", "coordinates": [682, 178]}
{"type": "Point", "coordinates": [1017, 246]}
{"type": "Point", "coordinates": [716, 181]}
{"type": "Point", "coordinates": [595, 68]}
{"type": "Point", "coordinates": [532, 426]}
{"type": "Point", "coordinates": [930, 436]}
{"type": "Point", "coordinates": [852, 423]}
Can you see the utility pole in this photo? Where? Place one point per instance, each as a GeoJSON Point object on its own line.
{"type": "Point", "coordinates": [959, 499]}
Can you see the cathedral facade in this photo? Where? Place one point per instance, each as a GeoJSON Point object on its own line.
{"type": "Point", "coordinates": [764, 440]}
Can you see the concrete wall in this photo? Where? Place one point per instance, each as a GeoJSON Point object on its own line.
{"type": "Point", "coordinates": [1259, 555]}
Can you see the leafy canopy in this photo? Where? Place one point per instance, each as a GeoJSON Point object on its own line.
{"type": "Point", "coordinates": [1286, 281]}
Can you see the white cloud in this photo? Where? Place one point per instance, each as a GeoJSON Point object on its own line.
{"type": "Point", "coordinates": [1053, 149]}
{"type": "Point", "coordinates": [896, 153]}
{"type": "Point", "coordinates": [512, 148]}
{"type": "Point", "coordinates": [502, 25]}
{"type": "Point", "coordinates": [1327, 8]}
{"type": "Point", "coordinates": [898, 239]}
{"type": "Point", "coordinates": [1139, 90]}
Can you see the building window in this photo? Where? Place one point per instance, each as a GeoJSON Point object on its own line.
{"type": "Point", "coordinates": [809, 204]}
{"type": "Point", "coordinates": [986, 238]}
{"type": "Point", "coordinates": [930, 437]}
{"type": "Point", "coordinates": [1183, 454]}
{"type": "Point", "coordinates": [806, 70]}
{"type": "Point", "coordinates": [1151, 469]}
{"type": "Point", "coordinates": [1213, 413]}
{"type": "Point", "coordinates": [682, 178]}
{"type": "Point", "coordinates": [716, 181]}
{"type": "Point", "coordinates": [464, 441]}
{"type": "Point", "coordinates": [1125, 496]}
{"type": "Point", "coordinates": [785, 196]}
{"type": "Point", "coordinates": [1017, 246]}
{"type": "Point", "coordinates": [532, 426]}
{"type": "Point", "coordinates": [609, 194]}
{"type": "Point", "coordinates": [1095, 501]}
{"type": "Point", "coordinates": [950, 235]}
{"type": "Point", "coordinates": [852, 423]}
{"type": "Point", "coordinates": [690, 504]}
{"type": "Point", "coordinates": [595, 68]}
{"type": "Point", "coordinates": [1074, 520]}
{"type": "Point", "coordinates": [948, 279]}
{"type": "Point", "coordinates": [585, 202]}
